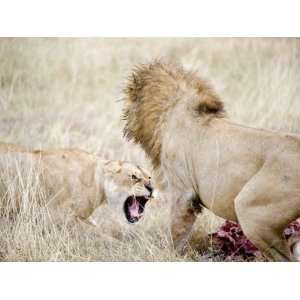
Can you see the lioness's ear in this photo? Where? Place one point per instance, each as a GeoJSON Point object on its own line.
{"type": "Point", "coordinates": [112, 167]}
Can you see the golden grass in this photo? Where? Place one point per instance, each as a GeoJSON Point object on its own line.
{"type": "Point", "coordinates": [63, 93]}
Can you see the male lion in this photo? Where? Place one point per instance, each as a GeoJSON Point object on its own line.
{"type": "Point", "coordinates": [243, 174]}
{"type": "Point", "coordinates": [78, 181]}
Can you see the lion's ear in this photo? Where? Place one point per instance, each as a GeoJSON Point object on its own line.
{"type": "Point", "coordinates": [112, 167]}
{"type": "Point", "coordinates": [209, 103]}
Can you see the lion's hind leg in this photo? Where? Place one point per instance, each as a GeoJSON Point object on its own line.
{"type": "Point", "coordinates": [264, 209]}
{"type": "Point", "coordinates": [262, 232]}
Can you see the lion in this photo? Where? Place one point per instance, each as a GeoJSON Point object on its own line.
{"type": "Point", "coordinates": [247, 175]}
{"type": "Point", "coordinates": [78, 181]}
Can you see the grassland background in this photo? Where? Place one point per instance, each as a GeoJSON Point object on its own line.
{"type": "Point", "coordinates": [65, 93]}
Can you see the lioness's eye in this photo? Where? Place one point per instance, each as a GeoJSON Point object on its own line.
{"type": "Point", "coordinates": [134, 177]}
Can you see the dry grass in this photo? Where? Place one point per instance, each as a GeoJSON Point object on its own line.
{"type": "Point", "coordinates": [64, 92]}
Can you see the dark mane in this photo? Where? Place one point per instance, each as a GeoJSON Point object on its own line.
{"type": "Point", "coordinates": [152, 90]}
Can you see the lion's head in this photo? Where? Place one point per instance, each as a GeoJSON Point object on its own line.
{"type": "Point", "coordinates": [155, 89]}
{"type": "Point", "coordinates": [128, 188]}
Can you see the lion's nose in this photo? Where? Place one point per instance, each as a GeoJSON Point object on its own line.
{"type": "Point", "coordinates": [149, 187]}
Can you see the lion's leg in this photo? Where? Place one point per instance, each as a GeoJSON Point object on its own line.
{"type": "Point", "coordinates": [269, 241]}
{"type": "Point", "coordinates": [263, 229]}
{"type": "Point", "coordinates": [263, 214]}
{"type": "Point", "coordinates": [183, 216]}
{"type": "Point", "coordinates": [294, 247]}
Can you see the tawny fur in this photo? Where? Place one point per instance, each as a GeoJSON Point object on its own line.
{"type": "Point", "coordinates": [243, 174]}
{"type": "Point", "coordinates": [74, 180]}
{"type": "Point", "coordinates": [152, 91]}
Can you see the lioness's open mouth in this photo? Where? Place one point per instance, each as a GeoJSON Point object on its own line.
{"type": "Point", "coordinates": [134, 207]}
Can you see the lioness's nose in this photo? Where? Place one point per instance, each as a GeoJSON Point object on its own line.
{"type": "Point", "coordinates": [149, 187]}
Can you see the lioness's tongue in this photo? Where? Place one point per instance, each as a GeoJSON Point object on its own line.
{"type": "Point", "coordinates": [134, 208]}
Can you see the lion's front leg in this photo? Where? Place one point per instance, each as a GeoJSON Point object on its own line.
{"type": "Point", "coordinates": [183, 216]}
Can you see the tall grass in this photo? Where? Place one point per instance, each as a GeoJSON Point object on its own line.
{"type": "Point", "coordinates": [64, 93]}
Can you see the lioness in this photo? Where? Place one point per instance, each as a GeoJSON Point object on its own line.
{"type": "Point", "coordinates": [242, 174]}
{"type": "Point", "coordinates": [81, 181]}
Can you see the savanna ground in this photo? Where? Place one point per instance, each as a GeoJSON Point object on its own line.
{"type": "Point", "coordinates": [65, 93]}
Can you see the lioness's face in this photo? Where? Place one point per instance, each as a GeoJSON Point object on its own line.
{"type": "Point", "coordinates": [130, 186]}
